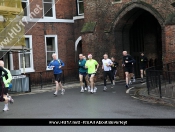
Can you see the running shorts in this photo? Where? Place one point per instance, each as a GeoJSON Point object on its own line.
{"type": "Point", "coordinates": [58, 77]}
{"type": "Point", "coordinates": [129, 69]}
{"type": "Point", "coordinates": [83, 73]}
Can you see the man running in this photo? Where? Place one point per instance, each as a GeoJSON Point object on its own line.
{"type": "Point", "coordinates": [56, 65]}
{"type": "Point", "coordinates": [143, 65]}
{"type": "Point", "coordinates": [6, 80]}
{"type": "Point", "coordinates": [127, 64]}
{"type": "Point", "coordinates": [82, 72]}
{"type": "Point", "coordinates": [106, 66]}
{"type": "Point", "coordinates": [114, 69]}
{"type": "Point", "coordinates": [92, 66]}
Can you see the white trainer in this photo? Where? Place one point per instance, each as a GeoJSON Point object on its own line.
{"type": "Point", "coordinates": [105, 88]}
{"type": "Point", "coordinates": [55, 93]}
{"type": "Point", "coordinates": [95, 89]}
{"type": "Point", "coordinates": [82, 90]}
{"type": "Point", "coordinates": [85, 88]}
{"type": "Point", "coordinates": [10, 100]}
{"type": "Point", "coordinates": [5, 108]}
{"type": "Point", "coordinates": [62, 91]}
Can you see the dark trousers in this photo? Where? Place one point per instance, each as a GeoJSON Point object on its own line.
{"type": "Point", "coordinates": [105, 74]}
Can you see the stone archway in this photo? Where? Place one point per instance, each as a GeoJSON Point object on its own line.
{"type": "Point", "coordinates": [133, 28]}
{"type": "Point", "coordinates": [78, 48]}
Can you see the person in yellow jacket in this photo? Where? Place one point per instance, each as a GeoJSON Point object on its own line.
{"type": "Point", "coordinates": [7, 80]}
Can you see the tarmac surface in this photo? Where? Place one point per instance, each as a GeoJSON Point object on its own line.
{"type": "Point", "coordinates": [114, 103]}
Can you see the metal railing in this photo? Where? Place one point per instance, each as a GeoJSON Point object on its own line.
{"type": "Point", "coordinates": [160, 80]}
{"type": "Point", "coordinates": [44, 78]}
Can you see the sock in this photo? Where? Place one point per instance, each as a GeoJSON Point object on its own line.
{"type": "Point", "coordinates": [6, 105]}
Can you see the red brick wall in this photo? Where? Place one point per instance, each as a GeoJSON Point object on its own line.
{"type": "Point", "coordinates": [108, 16]}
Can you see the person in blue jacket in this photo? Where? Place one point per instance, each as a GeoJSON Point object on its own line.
{"type": "Point", "coordinates": [56, 65]}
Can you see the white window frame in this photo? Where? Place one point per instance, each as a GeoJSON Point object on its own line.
{"type": "Point", "coordinates": [80, 14]}
{"type": "Point", "coordinates": [56, 47]}
{"type": "Point", "coordinates": [28, 7]}
{"type": "Point", "coordinates": [31, 69]}
{"type": "Point", "coordinates": [53, 9]}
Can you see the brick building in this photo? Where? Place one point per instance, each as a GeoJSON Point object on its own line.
{"type": "Point", "coordinates": [132, 25]}
{"type": "Point", "coordinates": [69, 27]}
{"type": "Point", "coordinates": [51, 26]}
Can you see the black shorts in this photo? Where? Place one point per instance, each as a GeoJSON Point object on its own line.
{"type": "Point", "coordinates": [92, 74]}
{"type": "Point", "coordinates": [129, 69]}
{"type": "Point", "coordinates": [142, 67]}
{"type": "Point", "coordinates": [58, 77]}
{"type": "Point", "coordinates": [83, 73]}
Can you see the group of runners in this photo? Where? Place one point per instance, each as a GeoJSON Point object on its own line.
{"type": "Point", "coordinates": [87, 74]}
{"type": "Point", "coordinates": [88, 69]}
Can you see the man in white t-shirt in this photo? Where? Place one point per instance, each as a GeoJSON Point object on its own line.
{"type": "Point", "coordinates": [106, 66]}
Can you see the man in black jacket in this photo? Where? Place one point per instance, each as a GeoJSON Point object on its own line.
{"type": "Point", "coordinates": [143, 65]}
{"type": "Point", "coordinates": [127, 64]}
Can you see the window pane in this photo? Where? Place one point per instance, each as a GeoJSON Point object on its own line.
{"type": "Point", "coordinates": [50, 42]}
{"type": "Point", "coordinates": [49, 57]}
{"type": "Point", "coordinates": [24, 6]}
{"type": "Point", "coordinates": [48, 1]}
{"type": "Point", "coordinates": [48, 10]}
{"type": "Point", "coordinates": [27, 60]}
{"type": "Point", "coordinates": [81, 8]}
{"type": "Point", "coordinates": [27, 41]}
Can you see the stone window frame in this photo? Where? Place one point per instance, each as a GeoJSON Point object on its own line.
{"type": "Point", "coordinates": [53, 9]}
{"type": "Point", "coordinates": [31, 68]}
{"type": "Point", "coordinates": [116, 2]}
{"type": "Point", "coordinates": [56, 48]}
{"type": "Point", "coordinates": [78, 8]}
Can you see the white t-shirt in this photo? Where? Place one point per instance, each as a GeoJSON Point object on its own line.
{"type": "Point", "coordinates": [107, 61]}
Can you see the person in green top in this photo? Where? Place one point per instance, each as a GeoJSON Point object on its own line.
{"type": "Point", "coordinates": [92, 66]}
{"type": "Point", "coordinates": [82, 72]}
{"type": "Point", "coordinates": [6, 79]}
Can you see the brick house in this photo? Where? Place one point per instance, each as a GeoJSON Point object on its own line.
{"type": "Point", "coordinates": [51, 26]}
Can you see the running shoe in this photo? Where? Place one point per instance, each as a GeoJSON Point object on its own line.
{"type": "Point", "coordinates": [85, 88]}
{"type": "Point", "coordinates": [134, 80]}
{"type": "Point", "coordinates": [113, 83]}
{"type": "Point", "coordinates": [11, 100]}
{"type": "Point", "coordinates": [127, 86]}
{"type": "Point", "coordinates": [105, 88]}
{"type": "Point", "coordinates": [82, 90]}
{"type": "Point", "coordinates": [89, 89]}
{"type": "Point", "coordinates": [112, 86]}
{"type": "Point", "coordinates": [130, 82]}
{"type": "Point", "coordinates": [5, 108]}
{"type": "Point", "coordinates": [95, 89]}
{"type": "Point", "coordinates": [55, 93]}
{"type": "Point", "coordinates": [62, 91]}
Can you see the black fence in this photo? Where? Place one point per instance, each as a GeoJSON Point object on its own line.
{"type": "Point", "coordinates": [160, 80]}
{"type": "Point", "coordinates": [44, 78]}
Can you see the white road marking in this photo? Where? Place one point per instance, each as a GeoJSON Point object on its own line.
{"type": "Point", "coordinates": [127, 91]}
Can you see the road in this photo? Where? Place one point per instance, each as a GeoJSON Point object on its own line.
{"type": "Point", "coordinates": [114, 103]}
